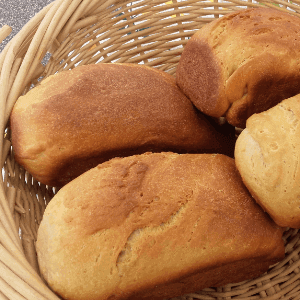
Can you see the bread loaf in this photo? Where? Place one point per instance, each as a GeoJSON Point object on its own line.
{"type": "Point", "coordinates": [242, 63]}
{"type": "Point", "coordinates": [267, 157]}
{"type": "Point", "coordinates": [154, 226]}
{"type": "Point", "coordinates": [77, 119]}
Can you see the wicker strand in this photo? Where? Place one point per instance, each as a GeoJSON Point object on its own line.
{"type": "Point", "coordinates": [22, 49]}
{"type": "Point", "coordinates": [59, 14]}
{"type": "Point", "coordinates": [2, 296]}
{"type": "Point", "coordinates": [3, 56]}
{"type": "Point", "coordinates": [74, 32]}
{"type": "Point", "coordinates": [11, 197]}
{"type": "Point", "coordinates": [10, 292]}
{"type": "Point", "coordinates": [8, 260]}
{"type": "Point", "coordinates": [7, 220]}
{"type": "Point", "coordinates": [6, 65]}
{"type": "Point", "coordinates": [23, 77]}
{"type": "Point", "coordinates": [37, 204]}
{"type": "Point", "coordinates": [29, 249]}
{"type": "Point", "coordinates": [20, 81]}
{"type": "Point", "coordinates": [18, 205]}
{"type": "Point", "coordinates": [81, 8]}
{"type": "Point", "coordinates": [107, 6]}
{"type": "Point", "coordinates": [5, 31]}
{"type": "Point", "coordinates": [28, 214]}
{"type": "Point", "coordinates": [5, 151]}
{"type": "Point", "coordinates": [72, 9]}
{"type": "Point", "coordinates": [14, 71]}
{"type": "Point", "coordinates": [16, 251]}
{"type": "Point", "coordinates": [18, 256]}
{"type": "Point", "coordinates": [19, 285]}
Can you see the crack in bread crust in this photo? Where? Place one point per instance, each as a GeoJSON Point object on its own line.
{"type": "Point", "coordinates": [126, 253]}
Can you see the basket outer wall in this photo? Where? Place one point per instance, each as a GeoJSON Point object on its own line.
{"type": "Point", "coordinates": [69, 33]}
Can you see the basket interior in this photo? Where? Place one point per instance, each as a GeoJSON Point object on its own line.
{"type": "Point", "coordinates": [67, 34]}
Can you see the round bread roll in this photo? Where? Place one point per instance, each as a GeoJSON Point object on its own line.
{"type": "Point", "coordinates": [76, 119]}
{"type": "Point", "coordinates": [242, 63]}
{"type": "Point", "coordinates": [267, 157]}
{"type": "Point", "coordinates": [154, 226]}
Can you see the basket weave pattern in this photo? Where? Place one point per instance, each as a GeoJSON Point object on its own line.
{"type": "Point", "coordinates": [69, 33]}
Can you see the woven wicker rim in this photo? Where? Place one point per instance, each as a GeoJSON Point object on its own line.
{"type": "Point", "coordinates": [69, 33]}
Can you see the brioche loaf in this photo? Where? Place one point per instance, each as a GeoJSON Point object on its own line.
{"type": "Point", "coordinates": [77, 119]}
{"type": "Point", "coordinates": [267, 157]}
{"type": "Point", "coordinates": [154, 226]}
{"type": "Point", "coordinates": [242, 63]}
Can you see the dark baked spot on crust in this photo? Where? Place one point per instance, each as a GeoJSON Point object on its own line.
{"type": "Point", "coordinates": [262, 31]}
{"type": "Point", "coordinates": [275, 18]}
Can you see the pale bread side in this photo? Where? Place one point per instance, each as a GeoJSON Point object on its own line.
{"type": "Point", "coordinates": [267, 157]}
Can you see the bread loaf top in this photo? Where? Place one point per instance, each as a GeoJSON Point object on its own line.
{"type": "Point", "coordinates": [267, 157]}
{"type": "Point", "coordinates": [138, 227]}
{"type": "Point", "coordinates": [243, 63]}
{"type": "Point", "coordinates": [77, 119]}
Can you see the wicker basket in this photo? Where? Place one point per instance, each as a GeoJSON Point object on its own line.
{"type": "Point", "coordinates": [68, 33]}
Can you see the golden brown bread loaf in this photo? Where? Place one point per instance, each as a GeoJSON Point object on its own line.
{"type": "Point", "coordinates": [242, 63]}
{"type": "Point", "coordinates": [154, 226]}
{"type": "Point", "coordinates": [267, 157]}
{"type": "Point", "coordinates": [77, 119]}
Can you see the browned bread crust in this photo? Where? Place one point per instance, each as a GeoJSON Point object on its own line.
{"type": "Point", "coordinates": [77, 119]}
{"type": "Point", "coordinates": [267, 157]}
{"type": "Point", "coordinates": [242, 63]}
{"type": "Point", "coordinates": [155, 226]}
